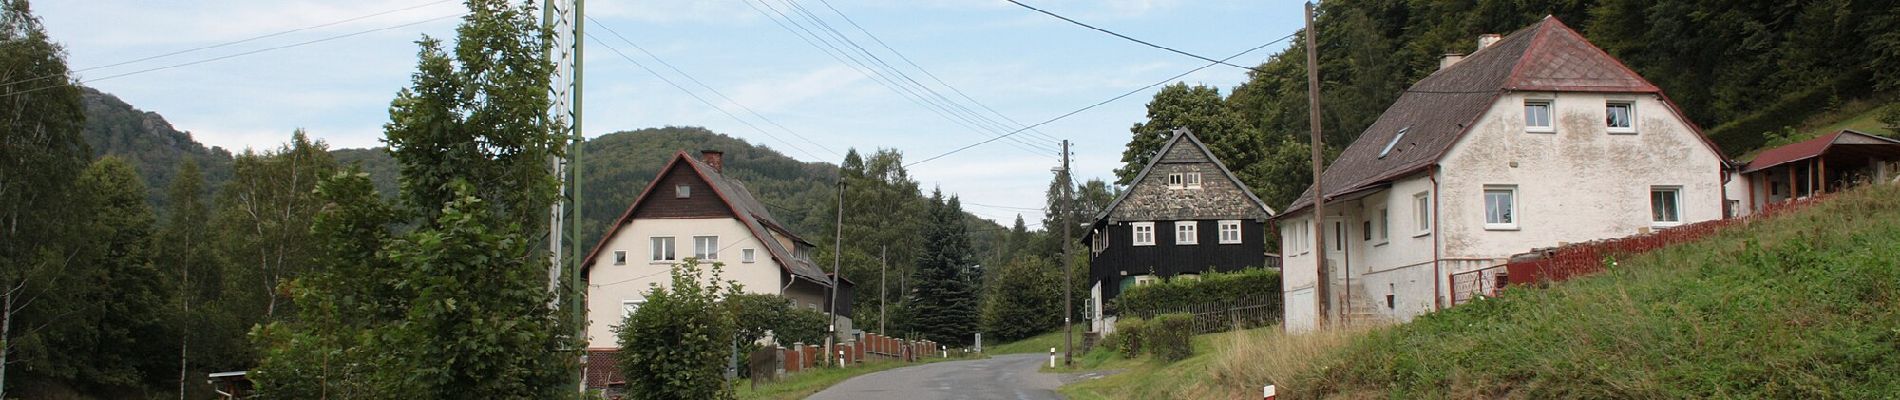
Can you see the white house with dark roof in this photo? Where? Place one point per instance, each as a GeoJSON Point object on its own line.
{"type": "Point", "coordinates": [1535, 139]}
{"type": "Point", "coordinates": [692, 209]}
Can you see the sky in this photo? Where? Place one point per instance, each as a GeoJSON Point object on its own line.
{"type": "Point", "coordinates": [770, 75]}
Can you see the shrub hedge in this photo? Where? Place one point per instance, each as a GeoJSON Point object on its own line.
{"type": "Point", "coordinates": [1251, 286]}
{"type": "Point", "coordinates": [1128, 336]}
{"type": "Point", "coordinates": [1168, 336]}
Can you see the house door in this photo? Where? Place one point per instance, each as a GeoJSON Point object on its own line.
{"type": "Point", "coordinates": [1336, 251]}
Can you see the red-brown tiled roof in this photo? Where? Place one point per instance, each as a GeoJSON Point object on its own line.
{"type": "Point", "coordinates": [1803, 150]}
{"type": "Point", "coordinates": [1435, 112]}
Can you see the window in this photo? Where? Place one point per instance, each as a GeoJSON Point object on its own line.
{"type": "Point", "coordinates": [1339, 235]}
{"type": "Point", "coordinates": [1101, 240]}
{"type": "Point", "coordinates": [1187, 232]}
{"type": "Point", "coordinates": [706, 247]}
{"type": "Point", "coordinates": [1500, 207]}
{"type": "Point", "coordinates": [682, 191]}
{"type": "Point", "coordinates": [1422, 213]}
{"type": "Point", "coordinates": [628, 307]}
{"type": "Point", "coordinates": [1385, 225]}
{"type": "Point", "coordinates": [1144, 233]}
{"type": "Point", "coordinates": [1662, 205]}
{"type": "Point", "coordinates": [1395, 142]}
{"type": "Point", "coordinates": [748, 255]}
{"type": "Point", "coordinates": [1365, 229]}
{"type": "Point", "coordinates": [1192, 180]}
{"type": "Point", "coordinates": [620, 257]}
{"type": "Point", "coordinates": [1229, 231]}
{"type": "Point", "coordinates": [1620, 117]}
{"type": "Point", "coordinates": [663, 249]}
{"type": "Point", "coordinates": [1537, 116]}
{"type": "Point", "coordinates": [1175, 181]}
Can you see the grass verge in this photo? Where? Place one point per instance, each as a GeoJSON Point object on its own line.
{"type": "Point", "coordinates": [1038, 344]}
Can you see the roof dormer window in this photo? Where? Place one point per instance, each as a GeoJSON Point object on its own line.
{"type": "Point", "coordinates": [682, 192]}
{"type": "Point", "coordinates": [1395, 142]}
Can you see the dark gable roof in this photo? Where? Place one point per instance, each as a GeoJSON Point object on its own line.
{"type": "Point", "coordinates": [1435, 112]}
{"type": "Point", "coordinates": [1181, 135]}
{"type": "Point", "coordinates": [746, 208]}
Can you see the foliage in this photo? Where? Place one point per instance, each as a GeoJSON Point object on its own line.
{"type": "Point", "coordinates": [117, 296]}
{"type": "Point", "coordinates": [186, 252]}
{"type": "Point", "coordinates": [759, 315]}
{"type": "Point", "coordinates": [1200, 109]}
{"type": "Point", "coordinates": [943, 303]}
{"type": "Point", "coordinates": [1166, 336]}
{"type": "Point", "coordinates": [1214, 287]}
{"type": "Point", "coordinates": [262, 214]}
{"type": "Point", "coordinates": [328, 349]}
{"type": "Point", "coordinates": [1128, 338]}
{"type": "Point", "coordinates": [1024, 299]}
{"type": "Point", "coordinates": [676, 346]}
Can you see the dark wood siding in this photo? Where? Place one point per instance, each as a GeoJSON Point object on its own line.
{"type": "Point", "coordinates": [1167, 259]}
{"type": "Point", "coordinates": [701, 202]}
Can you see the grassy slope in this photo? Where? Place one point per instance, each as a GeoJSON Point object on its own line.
{"type": "Point", "coordinates": [1038, 344]}
{"type": "Point", "coordinates": [1802, 306]}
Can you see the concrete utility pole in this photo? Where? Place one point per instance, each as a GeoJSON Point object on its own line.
{"type": "Point", "coordinates": [1068, 281]}
{"type": "Point", "coordinates": [1321, 289]}
{"type": "Point", "coordinates": [837, 278]}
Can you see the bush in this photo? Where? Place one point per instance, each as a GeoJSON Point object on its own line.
{"type": "Point", "coordinates": [1018, 302]}
{"type": "Point", "coordinates": [1127, 337]}
{"type": "Point", "coordinates": [677, 344]}
{"type": "Point", "coordinates": [1167, 336]}
{"type": "Point", "coordinates": [1256, 287]}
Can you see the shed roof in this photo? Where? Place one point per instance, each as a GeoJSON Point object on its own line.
{"type": "Point", "coordinates": [1817, 147]}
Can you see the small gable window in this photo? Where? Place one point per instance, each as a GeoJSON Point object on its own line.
{"type": "Point", "coordinates": [1537, 116]}
{"type": "Point", "coordinates": [748, 255]}
{"type": "Point", "coordinates": [1192, 180]}
{"type": "Point", "coordinates": [1620, 117]}
{"type": "Point", "coordinates": [1175, 181]}
{"type": "Point", "coordinates": [620, 257]}
{"type": "Point", "coordinates": [1395, 142]}
{"type": "Point", "coordinates": [682, 191]}
{"type": "Point", "coordinates": [663, 249]}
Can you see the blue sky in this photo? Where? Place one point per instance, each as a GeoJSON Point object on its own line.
{"type": "Point", "coordinates": [1027, 66]}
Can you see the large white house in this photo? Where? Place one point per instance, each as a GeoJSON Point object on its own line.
{"type": "Point", "coordinates": [692, 209]}
{"type": "Point", "coordinates": [1535, 139]}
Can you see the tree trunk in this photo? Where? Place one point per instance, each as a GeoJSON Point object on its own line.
{"type": "Point", "coordinates": [6, 334]}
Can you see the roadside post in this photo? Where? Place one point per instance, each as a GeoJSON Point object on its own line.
{"type": "Point", "coordinates": [1267, 393]}
{"type": "Point", "coordinates": [1052, 357]}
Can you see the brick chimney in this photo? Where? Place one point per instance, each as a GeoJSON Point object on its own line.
{"type": "Point", "coordinates": [715, 159]}
{"type": "Point", "coordinates": [1486, 40]}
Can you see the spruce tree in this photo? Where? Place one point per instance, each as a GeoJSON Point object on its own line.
{"type": "Point", "coordinates": [944, 302]}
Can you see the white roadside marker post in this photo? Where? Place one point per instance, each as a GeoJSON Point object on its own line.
{"type": "Point", "coordinates": [1052, 357]}
{"type": "Point", "coordinates": [1267, 393]}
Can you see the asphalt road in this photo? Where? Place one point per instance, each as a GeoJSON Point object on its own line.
{"type": "Point", "coordinates": [1002, 377]}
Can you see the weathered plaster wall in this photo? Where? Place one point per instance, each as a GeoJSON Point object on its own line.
{"type": "Point", "coordinates": [1577, 184]}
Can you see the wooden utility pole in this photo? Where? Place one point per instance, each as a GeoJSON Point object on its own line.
{"type": "Point", "coordinates": [1068, 282]}
{"type": "Point", "coordinates": [837, 277]}
{"type": "Point", "coordinates": [883, 264]}
{"type": "Point", "coordinates": [1320, 289]}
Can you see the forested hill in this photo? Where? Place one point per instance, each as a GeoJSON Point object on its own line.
{"type": "Point", "coordinates": [149, 143]}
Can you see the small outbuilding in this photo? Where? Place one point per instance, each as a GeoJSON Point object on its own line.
{"type": "Point", "coordinates": [1816, 166]}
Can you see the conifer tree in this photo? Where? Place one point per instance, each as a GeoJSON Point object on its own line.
{"type": "Point", "coordinates": [944, 301]}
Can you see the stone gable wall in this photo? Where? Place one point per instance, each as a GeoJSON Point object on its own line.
{"type": "Point", "coordinates": [1218, 198]}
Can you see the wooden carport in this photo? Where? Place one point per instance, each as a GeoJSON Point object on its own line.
{"type": "Point", "coordinates": [1818, 166]}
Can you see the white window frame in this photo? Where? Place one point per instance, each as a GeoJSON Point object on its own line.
{"type": "Point", "coordinates": [1175, 181]}
{"type": "Point", "coordinates": [1514, 214]}
{"type": "Point", "coordinates": [706, 247]}
{"type": "Point", "coordinates": [682, 191]}
{"type": "Point", "coordinates": [748, 255]}
{"type": "Point", "coordinates": [1675, 193]}
{"type": "Point", "coordinates": [1137, 229]}
{"type": "Point", "coordinates": [1629, 105]}
{"type": "Point", "coordinates": [1226, 226]}
{"type": "Point", "coordinates": [1187, 233]}
{"type": "Point", "coordinates": [1306, 236]}
{"type": "Point", "coordinates": [1191, 180]}
{"type": "Point", "coordinates": [620, 257]}
{"type": "Point", "coordinates": [1548, 108]}
{"type": "Point", "coordinates": [666, 252]}
{"type": "Point", "coordinates": [1422, 213]}
{"type": "Point", "coordinates": [628, 307]}
{"type": "Point", "coordinates": [1385, 226]}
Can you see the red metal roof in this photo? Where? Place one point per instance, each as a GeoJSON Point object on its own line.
{"type": "Point", "coordinates": [1803, 150]}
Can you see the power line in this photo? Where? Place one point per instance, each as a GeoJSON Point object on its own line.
{"type": "Point", "coordinates": [907, 60]}
{"type": "Point", "coordinates": [1171, 49]}
{"type": "Point", "coordinates": [240, 41]}
{"type": "Point", "coordinates": [695, 96]}
{"type": "Point", "coordinates": [710, 88]}
{"type": "Point", "coordinates": [814, 39]}
{"type": "Point", "coordinates": [236, 55]}
{"type": "Point", "coordinates": [1005, 207]}
{"type": "Point", "coordinates": [1098, 104]}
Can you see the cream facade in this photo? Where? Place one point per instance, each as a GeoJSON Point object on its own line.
{"type": "Point", "coordinates": [616, 287]}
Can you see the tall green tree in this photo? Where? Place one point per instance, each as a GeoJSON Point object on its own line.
{"type": "Point", "coordinates": [1024, 299]}
{"type": "Point", "coordinates": [1198, 108]}
{"type": "Point", "coordinates": [185, 253]}
{"type": "Point", "coordinates": [41, 154]}
{"type": "Point", "coordinates": [116, 297]}
{"type": "Point", "coordinates": [944, 301]}
{"type": "Point", "coordinates": [263, 213]}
